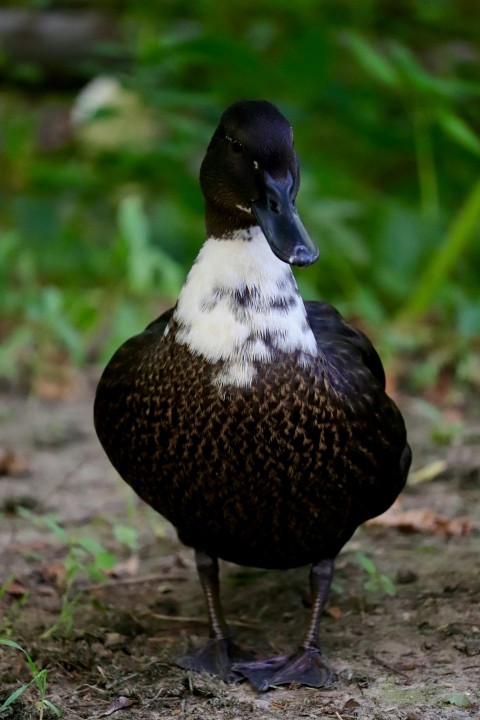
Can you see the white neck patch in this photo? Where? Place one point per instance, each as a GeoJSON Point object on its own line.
{"type": "Point", "coordinates": [240, 304]}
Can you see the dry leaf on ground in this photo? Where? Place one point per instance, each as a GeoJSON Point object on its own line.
{"type": "Point", "coordinates": [13, 464]}
{"type": "Point", "coordinates": [422, 520]}
{"type": "Point", "coordinates": [119, 704]}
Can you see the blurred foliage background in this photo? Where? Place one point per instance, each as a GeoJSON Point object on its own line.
{"type": "Point", "coordinates": [105, 112]}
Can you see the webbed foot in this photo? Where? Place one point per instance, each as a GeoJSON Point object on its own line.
{"type": "Point", "coordinates": [216, 658]}
{"type": "Point", "coordinates": [307, 666]}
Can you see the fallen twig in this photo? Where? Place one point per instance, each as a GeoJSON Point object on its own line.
{"type": "Point", "coordinates": [202, 621]}
{"type": "Point", "coordinates": [154, 577]}
{"type": "Point", "coordinates": [387, 665]}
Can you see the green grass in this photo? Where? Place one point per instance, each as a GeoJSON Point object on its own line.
{"type": "Point", "coordinates": [376, 581]}
{"type": "Point", "coordinates": [38, 681]}
{"type": "Point", "coordinates": [83, 556]}
{"type": "Point", "coordinates": [462, 233]}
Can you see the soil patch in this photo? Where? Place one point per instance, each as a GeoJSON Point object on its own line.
{"type": "Point", "coordinates": [414, 655]}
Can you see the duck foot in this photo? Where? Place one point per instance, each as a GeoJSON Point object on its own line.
{"type": "Point", "coordinates": [216, 658]}
{"type": "Point", "coordinates": [305, 667]}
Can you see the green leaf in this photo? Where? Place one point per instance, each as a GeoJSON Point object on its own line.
{"type": "Point", "coordinates": [6, 584]}
{"type": "Point", "coordinates": [33, 667]}
{"type": "Point", "coordinates": [458, 699]}
{"type": "Point", "coordinates": [105, 560]}
{"type": "Point", "coordinates": [11, 643]}
{"type": "Point", "coordinates": [92, 545]}
{"type": "Point", "coordinates": [372, 61]}
{"type": "Point", "coordinates": [52, 707]}
{"type": "Point", "coordinates": [411, 70]}
{"type": "Point", "coordinates": [127, 536]}
{"type": "Point", "coordinates": [134, 230]}
{"type": "Point", "coordinates": [460, 131]}
{"type": "Point", "coordinates": [15, 695]}
{"type": "Point", "coordinates": [460, 234]}
{"type": "Point", "coordinates": [41, 681]}
{"type": "Point", "coordinates": [367, 563]}
{"type": "Point", "coordinates": [387, 585]}
{"type": "Point", "coordinates": [53, 525]}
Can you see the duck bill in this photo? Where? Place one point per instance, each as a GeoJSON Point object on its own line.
{"type": "Point", "coordinates": [280, 222]}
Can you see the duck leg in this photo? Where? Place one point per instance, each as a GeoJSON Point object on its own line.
{"type": "Point", "coordinates": [306, 666]}
{"type": "Point", "coordinates": [218, 655]}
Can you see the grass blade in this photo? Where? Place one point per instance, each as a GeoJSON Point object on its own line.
{"type": "Point", "coordinates": [11, 643]}
{"type": "Point", "coordinates": [6, 585]}
{"type": "Point", "coordinates": [53, 708]}
{"type": "Point", "coordinates": [15, 695]}
{"type": "Point", "coordinates": [457, 239]}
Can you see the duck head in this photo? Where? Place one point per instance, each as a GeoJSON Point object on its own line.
{"type": "Point", "coordinates": [250, 177]}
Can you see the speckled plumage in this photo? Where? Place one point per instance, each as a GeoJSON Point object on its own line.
{"type": "Point", "coordinates": [306, 454]}
{"type": "Point", "coordinates": [256, 423]}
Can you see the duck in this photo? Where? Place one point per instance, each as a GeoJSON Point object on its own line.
{"type": "Point", "coordinates": [255, 422]}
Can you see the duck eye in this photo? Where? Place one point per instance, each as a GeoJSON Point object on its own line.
{"type": "Point", "coordinates": [236, 145]}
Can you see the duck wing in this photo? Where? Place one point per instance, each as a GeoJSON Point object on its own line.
{"type": "Point", "coordinates": [159, 325]}
{"type": "Point", "coordinates": [332, 330]}
{"type": "Point", "coordinates": [330, 327]}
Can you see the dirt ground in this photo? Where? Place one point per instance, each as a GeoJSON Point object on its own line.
{"type": "Point", "coordinates": [412, 656]}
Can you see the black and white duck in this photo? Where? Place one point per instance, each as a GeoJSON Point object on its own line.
{"type": "Point", "coordinates": [255, 422]}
